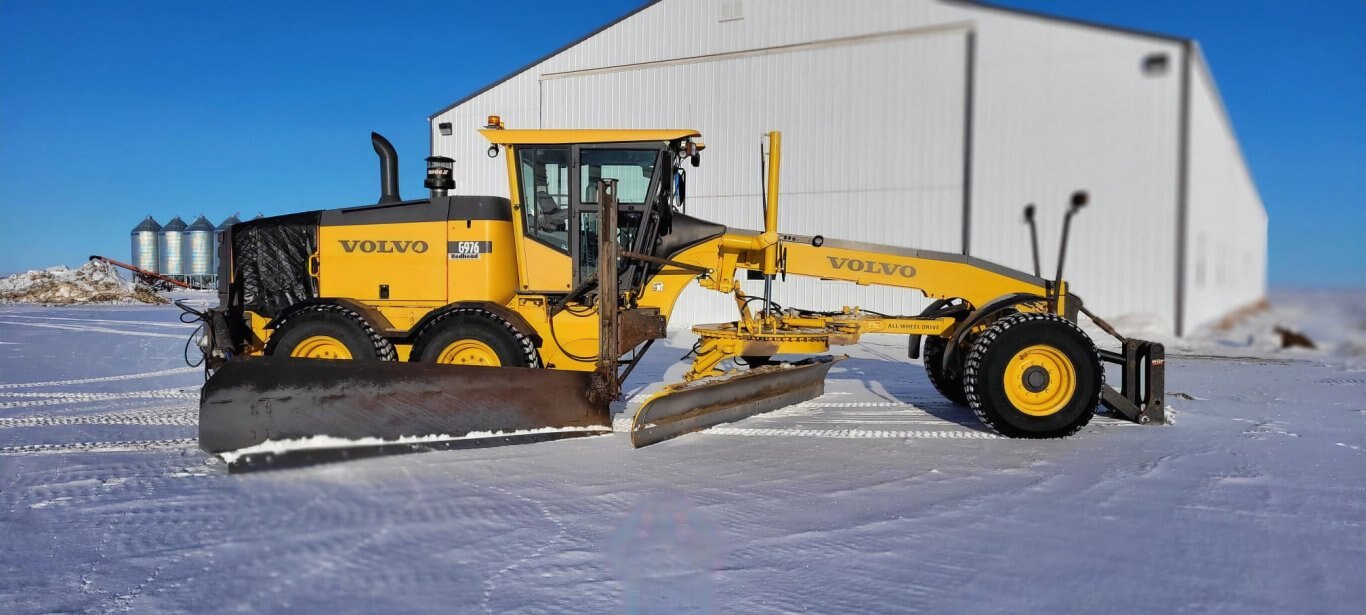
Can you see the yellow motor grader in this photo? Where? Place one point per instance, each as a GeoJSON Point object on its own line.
{"type": "Point", "coordinates": [418, 323]}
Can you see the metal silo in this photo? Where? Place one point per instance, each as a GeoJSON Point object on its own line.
{"type": "Point", "coordinates": [229, 222]}
{"type": "Point", "coordinates": [145, 244]}
{"type": "Point", "coordinates": [199, 249]}
{"type": "Point", "coordinates": [218, 237]}
{"type": "Point", "coordinates": [171, 248]}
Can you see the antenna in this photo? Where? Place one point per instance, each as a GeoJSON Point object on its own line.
{"type": "Point", "coordinates": [1079, 199]}
{"type": "Point", "coordinates": [1033, 237]}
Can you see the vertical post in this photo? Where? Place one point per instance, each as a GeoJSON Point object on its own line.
{"type": "Point", "coordinates": [770, 264]}
{"type": "Point", "coordinates": [608, 385]}
{"type": "Point", "coordinates": [771, 206]}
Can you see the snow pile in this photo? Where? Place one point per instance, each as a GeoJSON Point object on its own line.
{"type": "Point", "coordinates": [1333, 321]}
{"type": "Point", "coordinates": [93, 282]}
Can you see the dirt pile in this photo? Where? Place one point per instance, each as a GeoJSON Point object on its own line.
{"type": "Point", "coordinates": [93, 282]}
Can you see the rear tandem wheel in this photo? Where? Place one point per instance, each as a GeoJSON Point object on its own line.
{"type": "Point", "coordinates": [474, 337]}
{"type": "Point", "coordinates": [328, 332]}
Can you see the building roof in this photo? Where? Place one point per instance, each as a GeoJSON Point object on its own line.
{"type": "Point", "coordinates": [971, 4]}
{"type": "Point", "coordinates": [533, 136]}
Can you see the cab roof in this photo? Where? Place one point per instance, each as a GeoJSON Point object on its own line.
{"type": "Point", "coordinates": [525, 136]}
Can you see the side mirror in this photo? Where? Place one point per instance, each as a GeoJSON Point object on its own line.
{"type": "Point", "coordinates": [1029, 212]}
{"type": "Point", "coordinates": [1079, 199]}
{"type": "Point", "coordinates": [695, 160]}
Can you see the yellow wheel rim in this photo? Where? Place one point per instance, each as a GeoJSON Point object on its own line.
{"type": "Point", "coordinates": [1040, 380]}
{"type": "Point", "coordinates": [321, 347]}
{"type": "Point", "coordinates": [469, 352]}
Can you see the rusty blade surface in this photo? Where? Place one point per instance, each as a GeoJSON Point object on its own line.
{"type": "Point", "coordinates": [251, 400]}
{"type": "Point", "coordinates": [702, 404]}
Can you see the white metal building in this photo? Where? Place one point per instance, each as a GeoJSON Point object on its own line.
{"type": "Point", "coordinates": [921, 123]}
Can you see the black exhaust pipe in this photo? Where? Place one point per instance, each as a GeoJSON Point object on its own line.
{"type": "Point", "coordinates": [388, 169]}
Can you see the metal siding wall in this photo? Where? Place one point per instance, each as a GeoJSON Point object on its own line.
{"type": "Point", "coordinates": [1062, 108]}
{"type": "Point", "coordinates": [517, 101]}
{"type": "Point", "coordinates": [1226, 238]}
{"type": "Point", "coordinates": [853, 166]}
{"type": "Point", "coordinates": [1058, 107]}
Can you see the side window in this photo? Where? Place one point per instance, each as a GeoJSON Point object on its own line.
{"type": "Point", "coordinates": [545, 193]}
{"type": "Point", "coordinates": [631, 168]}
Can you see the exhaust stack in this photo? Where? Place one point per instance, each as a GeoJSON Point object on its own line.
{"type": "Point", "coordinates": [388, 169]}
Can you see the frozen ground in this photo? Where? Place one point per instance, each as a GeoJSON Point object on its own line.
{"type": "Point", "coordinates": [877, 497]}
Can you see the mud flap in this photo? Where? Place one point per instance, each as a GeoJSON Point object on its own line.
{"type": "Point", "coordinates": [251, 400]}
{"type": "Point", "coordinates": [694, 406]}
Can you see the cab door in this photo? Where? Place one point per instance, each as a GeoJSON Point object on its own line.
{"type": "Point", "coordinates": [542, 207]}
{"type": "Point", "coordinates": [635, 166]}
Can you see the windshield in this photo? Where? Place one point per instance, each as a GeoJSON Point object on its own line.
{"type": "Point", "coordinates": [632, 168]}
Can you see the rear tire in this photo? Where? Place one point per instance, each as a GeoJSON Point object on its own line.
{"type": "Point", "coordinates": [474, 337]}
{"type": "Point", "coordinates": [1033, 375]}
{"type": "Point", "coordinates": [328, 332]}
{"type": "Point", "coordinates": [951, 387]}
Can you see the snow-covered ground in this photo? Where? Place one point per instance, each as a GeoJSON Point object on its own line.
{"type": "Point", "coordinates": [877, 497]}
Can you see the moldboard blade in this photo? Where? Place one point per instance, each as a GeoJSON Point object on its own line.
{"type": "Point", "coordinates": [251, 400]}
{"type": "Point", "coordinates": [704, 403]}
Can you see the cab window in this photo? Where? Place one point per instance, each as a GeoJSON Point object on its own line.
{"type": "Point", "coordinates": [631, 168]}
{"type": "Point", "coordinates": [545, 193]}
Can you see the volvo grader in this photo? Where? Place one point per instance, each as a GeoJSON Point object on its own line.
{"type": "Point", "coordinates": [455, 318]}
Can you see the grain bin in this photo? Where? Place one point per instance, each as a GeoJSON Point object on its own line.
{"type": "Point", "coordinates": [171, 248]}
{"type": "Point", "coordinates": [145, 244]}
{"type": "Point", "coordinates": [199, 248]}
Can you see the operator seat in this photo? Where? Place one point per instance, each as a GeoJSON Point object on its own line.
{"type": "Point", "coordinates": [549, 215]}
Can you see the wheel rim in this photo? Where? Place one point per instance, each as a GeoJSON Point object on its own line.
{"type": "Point", "coordinates": [1040, 380]}
{"type": "Point", "coordinates": [321, 347]}
{"type": "Point", "coordinates": [469, 352]}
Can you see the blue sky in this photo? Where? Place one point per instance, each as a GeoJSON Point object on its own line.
{"type": "Point", "coordinates": [110, 111]}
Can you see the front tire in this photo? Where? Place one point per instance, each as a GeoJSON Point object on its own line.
{"type": "Point", "coordinates": [328, 332]}
{"type": "Point", "coordinates": [1033, 375]}
{"type": "Point", "coordinates": [474, 337]}
{"type": "Point", "coordinates": [951, 387]}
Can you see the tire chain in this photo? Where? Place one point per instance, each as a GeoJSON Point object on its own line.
{"type": "Point", "coordinates": [384, 349]}
{"type": "Point", "coordinates": [973, 365]}
{"type": "Point", "coordinates": [528, 346]}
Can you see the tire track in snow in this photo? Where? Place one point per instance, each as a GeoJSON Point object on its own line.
{"type": "Point", "coordinates": [100, 447]}
{"type": "Point", "coordinates": [53, 383]}
{"type": "Point", "coordinates": [932, 434]}
{"type": "Point", "coordinates": [81, 398]}
{"type": "Point", "coordinates": [181, 416]}
{"type": "Point", "coordinates": [93, 329]}
{"type": "Point", "coordinates": [147, 323]}
{"type": "Point", "coordinates": [560, 532]}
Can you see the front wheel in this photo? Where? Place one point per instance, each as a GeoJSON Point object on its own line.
{"type": "Point", "coordinates": [951, 387]}
{"type": "Point", "coordinates": [1033, 375]}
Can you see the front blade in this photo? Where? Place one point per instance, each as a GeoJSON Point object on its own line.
{"type": "Point", "coordinates": [251, 400]}
{"type": "Point", "coordinates": [698, 405]}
